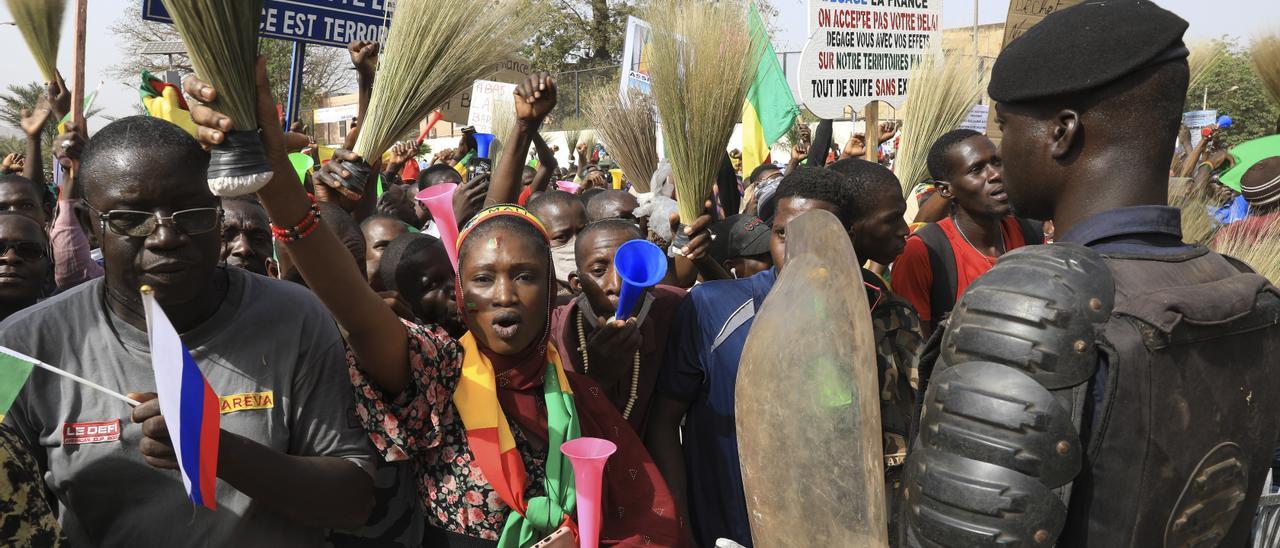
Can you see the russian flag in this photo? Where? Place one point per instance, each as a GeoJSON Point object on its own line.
{"type": "Point", "coordinates": [188, 403]}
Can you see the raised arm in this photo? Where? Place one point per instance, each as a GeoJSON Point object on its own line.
{"type": "Point", "coordinates": [547, 164]}
{"type": "Point", "coordinates": [535, 97]}
{"type": "Point", "coordinates": [33, 125]}
{"type": "Point", "coordinates": [375, 335]}
{"type": "Point", "coordinates": [364, 56]}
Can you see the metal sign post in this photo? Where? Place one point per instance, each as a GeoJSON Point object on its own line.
{"type": "Point", "coordinates": [294, 101]}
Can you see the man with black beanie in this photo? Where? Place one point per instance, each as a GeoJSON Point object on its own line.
{"type": "Point", "coordinates": [1114, 388]}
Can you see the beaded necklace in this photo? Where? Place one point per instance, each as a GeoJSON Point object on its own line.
{"type": "Point", "coordinates": [635, 369]}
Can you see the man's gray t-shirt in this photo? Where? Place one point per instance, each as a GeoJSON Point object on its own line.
{"type": "Point", "coordinates": [271, 352]}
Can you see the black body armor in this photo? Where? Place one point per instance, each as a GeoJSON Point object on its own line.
{"type": "Point", "coordinates": [1177, 443]}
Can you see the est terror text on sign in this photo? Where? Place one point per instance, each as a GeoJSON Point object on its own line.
{"type": "Point", "coordinates": [322, 22]}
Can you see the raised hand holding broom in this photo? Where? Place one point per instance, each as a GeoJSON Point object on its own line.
{"type": "Point", "coordinates": [375, 334]}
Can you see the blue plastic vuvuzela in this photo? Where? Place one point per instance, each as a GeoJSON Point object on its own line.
{"type": "Point", "coordinates": [483, 142]}
{"type": "Point", "coordinates": [641, 265]}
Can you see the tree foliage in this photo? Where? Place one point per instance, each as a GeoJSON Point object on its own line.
{"type": "Point", "coordinates": [1252, 112]}
{"type": "Point", "coordinates": [579, 34]}
{"type": "Point", "coordinates": [20, 99]}
{"type": "Point", "coordinates": [327, 70]}
{"type": "Point", "coordinates": [586, 34]}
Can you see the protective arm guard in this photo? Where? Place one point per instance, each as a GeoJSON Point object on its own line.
{"type": "Point", "coordinates": [999, 442]}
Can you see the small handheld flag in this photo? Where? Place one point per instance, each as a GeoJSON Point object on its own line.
{"type": "Point", "coordinates": [188, 403]}
{"type": "Point", "coordinates": [15, 367]}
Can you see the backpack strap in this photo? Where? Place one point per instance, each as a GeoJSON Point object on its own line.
{"type": "Point", "coordinates": [942, 264]}
{"type": "Point", "coordinates": [1032, 231]}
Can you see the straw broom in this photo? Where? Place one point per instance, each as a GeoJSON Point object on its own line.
{"type": "Point", "coordinates": [572, 128]}
{"type": "Point", "coordinates": [436, 49]}
{"type": "Point", "coordinates": [629, 132]}
{"type": "Point", "coordinates": [939, 97]}
{"type": "Point", "coordinates": [1197, 225]}
{"type": "Point", "coordinates": [1265, 54]}
{"type": "Point", "coordinates": [40, 22]}
{"type": "Point", "coordinates": [1203, 57]}
{"type": "Point", "coordinates": [503, 116]}
{"type": "Point", "coordinates": [1260, 250]}
{"type": "Point", "coordinates": [222, 41]}
{"type": "Point", "coordinates": [704, 59]}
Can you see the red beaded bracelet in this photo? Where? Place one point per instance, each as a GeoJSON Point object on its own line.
{"type": "Point", "coordinates": [304, 228]}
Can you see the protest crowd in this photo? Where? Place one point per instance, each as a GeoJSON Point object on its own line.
{"type": "Point", "coordinates": [213, 336]}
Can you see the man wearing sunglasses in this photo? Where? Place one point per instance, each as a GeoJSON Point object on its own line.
{"type": "Point", "coordinates": [25, 268]}
{"type": "Point", "coordinates": [292, 458]}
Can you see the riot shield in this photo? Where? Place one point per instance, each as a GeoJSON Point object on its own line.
{"type": "Point", "coordinates": [807, 400]}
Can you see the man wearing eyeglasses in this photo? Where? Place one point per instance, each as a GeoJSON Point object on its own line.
{"type": "Point", "coordinates": [292, 458]}
{"type": "Point", "coordinates": [25, 268]}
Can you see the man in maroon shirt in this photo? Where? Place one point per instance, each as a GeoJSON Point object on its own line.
{"type": "Point", "coordinates": [623, 357]}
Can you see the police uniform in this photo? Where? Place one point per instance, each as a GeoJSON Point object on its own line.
{"type": "Point", "coordinates": [1111, 389]}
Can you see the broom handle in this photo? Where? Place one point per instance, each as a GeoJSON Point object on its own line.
{"type": "Point", "coordinates": [77, 80]}
{"type": "Point", "coordinates": [872, 114]}
{"type": "Point", "coordinates": [77, 86]}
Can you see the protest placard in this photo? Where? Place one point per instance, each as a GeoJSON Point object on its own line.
{"type": "Point", "coordinates": [483, 94]}
{"type": "Point", "coordinates": [1024, 14]}
{"type": "Point", "coordinates": [635, 57]}
{"type": "Point", "coordinates": [976, 119]}
{"type": "Point", "coordinates": [863, 50]}
{"type": "Point", "coordinates": [1197, 120]}
{"type": "Point", "coordinates": [457, 109]}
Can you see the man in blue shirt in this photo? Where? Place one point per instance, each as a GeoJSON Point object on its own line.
{"type": "Point", "coordinates": [700, 462]}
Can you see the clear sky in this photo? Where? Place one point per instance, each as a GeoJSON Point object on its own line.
{"type": "Point", "coordinates": [1241, 18]}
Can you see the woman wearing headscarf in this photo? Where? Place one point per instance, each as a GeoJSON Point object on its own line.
{"type": "Point", "coordinates": [482, 418]}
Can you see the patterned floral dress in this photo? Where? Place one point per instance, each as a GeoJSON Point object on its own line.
{"type": "Point", "coordinates": [422, 424]}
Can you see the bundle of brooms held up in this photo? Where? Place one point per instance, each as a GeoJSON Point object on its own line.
{"type": "Point", "coordinates": [222, 41]}
{"type": "Point", "coordinates": [942, 93]}
{"type": "Point", "coordinates": [630, 133]}
{"type": "Point", "coordinates": [40, 22]}
{"type": "Point", "coordinates": [435, 49]}
{"type": "Point", "coordinates": [704, 59]}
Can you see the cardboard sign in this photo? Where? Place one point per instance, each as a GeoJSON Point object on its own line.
{"type": "Point", "coordinates": [1024, 14]}
{"type": "Point", "coordinates": [483, 94]}
{"type": "Point", "coordinates": [457, 109]}
{"type": "Point", "coordinates": [861, 51]}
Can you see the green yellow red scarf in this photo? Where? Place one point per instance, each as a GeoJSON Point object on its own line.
{"type": "Point", "coordinates": [490, 439]}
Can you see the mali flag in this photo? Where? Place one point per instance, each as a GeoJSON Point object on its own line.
{"type": "Point", "coordinates": [164, 100]}
{"type": "Point", "coordinates": [770, 109]}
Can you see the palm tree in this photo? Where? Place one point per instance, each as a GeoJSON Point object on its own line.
{"type": "Point", "coordinates": [22, 98]}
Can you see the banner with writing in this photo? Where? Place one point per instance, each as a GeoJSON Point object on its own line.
{"type": "Point", "coordinates": [863, 50]}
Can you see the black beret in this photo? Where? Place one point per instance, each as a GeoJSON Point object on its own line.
{"type": "Point", "coordinates": [1085, 47]}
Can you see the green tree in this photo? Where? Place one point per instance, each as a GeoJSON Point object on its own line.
{"type": "Point", "coordinates": [1234, 89]}
{"type": "Point", "coordinates": [12, 145]}
{"type": "Point", "coordinates": [21, 99]}
{"type": "Point", "coordinates": [327, 70]}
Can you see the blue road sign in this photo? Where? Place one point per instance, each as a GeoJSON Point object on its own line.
{"type": "Point", "coordinates": [322, 22]}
